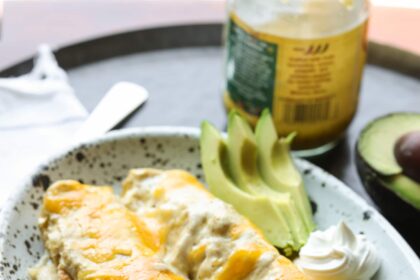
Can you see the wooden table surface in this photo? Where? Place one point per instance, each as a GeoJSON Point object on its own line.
{"type": "Point", "coordinates": [27, 24]}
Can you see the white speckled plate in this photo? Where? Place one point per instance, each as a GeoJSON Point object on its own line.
{"type": "Point", "coordinates": [108, 159]}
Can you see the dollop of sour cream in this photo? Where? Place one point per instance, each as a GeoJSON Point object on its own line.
{"type": "Point", "coordinates": [338, 254]}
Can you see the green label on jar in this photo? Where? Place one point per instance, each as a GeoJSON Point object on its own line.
{"type": "Point", "coordinates": [251, 69]}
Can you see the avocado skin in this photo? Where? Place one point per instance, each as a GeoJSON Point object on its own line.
{"type": "Point", "coordinates": [391, 205]}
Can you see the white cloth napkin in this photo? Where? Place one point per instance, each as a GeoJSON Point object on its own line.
{"type": "Point", "coordinates": [38, 114]}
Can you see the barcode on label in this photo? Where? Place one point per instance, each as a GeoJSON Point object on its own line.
{"type": "Point", "coordinates": [308, 111]}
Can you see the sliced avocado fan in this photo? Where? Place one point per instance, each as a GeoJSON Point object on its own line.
{"type": "Point", "coordinates": [242, 149]}
{"type": "Point", "coordinates": [257, 176]}
{"type": "Point", "coordinates": [277, 168]}
{"type": "Point", "coordinates": [259, 209]}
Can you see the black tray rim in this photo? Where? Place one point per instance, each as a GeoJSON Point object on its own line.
{"type": "Point", "coordinates": [181, 36]}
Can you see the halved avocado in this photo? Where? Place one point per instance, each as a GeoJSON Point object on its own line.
{"type": "Point", "coordinates": [259, 209]}
{"type": "Point", "coordinates": [243, 152]}
{"type": "Point", "coordinates": [396, 194]}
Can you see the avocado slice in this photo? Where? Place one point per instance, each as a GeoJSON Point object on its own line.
{"type": "Point", "coordinates": [277, 167]}
{"type": "Point", "coordinates": [242, 149]}
{"type": "Point", "coordinates": [259, 209]}
{"type": "Point", "coordinates": [382, 176]}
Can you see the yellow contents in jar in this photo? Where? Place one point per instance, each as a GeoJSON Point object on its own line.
{"type": "Point", "coordinates": [295, 63]}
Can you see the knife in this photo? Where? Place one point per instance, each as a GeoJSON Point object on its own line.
{"type": "Point", "coordinates": [120, 101]}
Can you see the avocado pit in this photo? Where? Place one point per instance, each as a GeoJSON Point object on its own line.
{"type": "Point", "coordinates": [407, 154]}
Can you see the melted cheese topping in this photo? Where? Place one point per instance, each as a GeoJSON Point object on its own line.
{"type": "Point", "coordinates": [240, 263]}
{"type": "Point", "coordinates": [177, 226]}
{"type": "Point", "coordinates": [90, 235]}
{"type": "Point", "coordinates": [205, 237]}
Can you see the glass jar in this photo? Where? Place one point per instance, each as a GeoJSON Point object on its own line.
{"type": "Point", "coordinates": [303, 59]}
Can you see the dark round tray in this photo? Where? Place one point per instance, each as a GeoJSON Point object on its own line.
{"type": "Point", "coordinates": [181, 66]}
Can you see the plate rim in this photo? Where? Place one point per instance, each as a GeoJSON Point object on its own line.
{"type": "Point", "coordinates": [193, 132]}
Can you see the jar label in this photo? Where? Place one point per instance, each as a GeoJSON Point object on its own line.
{"type": "Point", "coordinates": [309, 84]}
